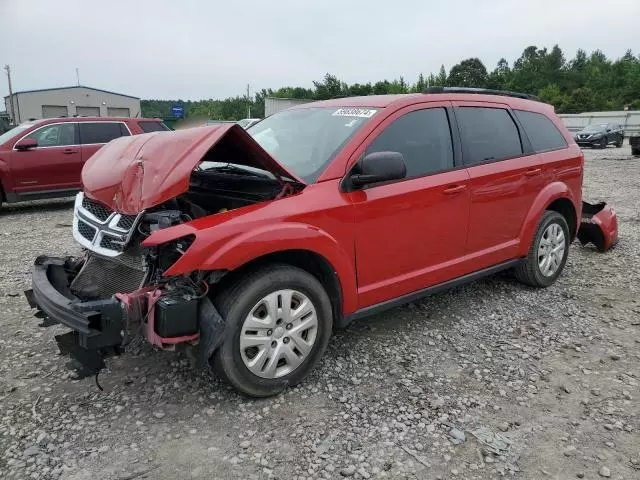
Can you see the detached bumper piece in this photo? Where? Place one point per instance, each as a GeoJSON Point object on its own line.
{"type": "Point", "coordinates": [96, 325]}
{"type": "Point", "coordinates": [599, 226]}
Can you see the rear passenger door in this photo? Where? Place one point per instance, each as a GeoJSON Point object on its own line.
{"type": "Point", "coordinates": [94, 135]}
{"type": "Point", "coordinates": [411, 233]}
{"type": "Point", "coordinates": [505, 177]}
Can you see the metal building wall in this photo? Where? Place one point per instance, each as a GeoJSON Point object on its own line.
{"type": "Point", "coordinates": [30, 104]}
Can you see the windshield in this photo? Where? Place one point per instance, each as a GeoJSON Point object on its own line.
{"type": "Point", "coordinates": [305, 140]}
{"type": "Point", "coordinates": [594, 128]}
{"type": "Point", "coordinates": [14, 132]}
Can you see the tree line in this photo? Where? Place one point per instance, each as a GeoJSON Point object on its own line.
{"type": "Point", "coordinates": [587, 82]}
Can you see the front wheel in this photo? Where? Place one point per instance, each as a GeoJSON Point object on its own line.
{"type": "Point", "coordinates": [548, 252]}
{"type": "Point", "coordinates": [603, 143]}
{"type": "Point", "coordinates": [279, 322]}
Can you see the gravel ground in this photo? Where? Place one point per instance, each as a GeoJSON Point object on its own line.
{"type": "Point", "coordinates": [489, 380]}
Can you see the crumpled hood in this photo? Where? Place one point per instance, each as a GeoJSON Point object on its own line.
{"type": "Point", "coordinates": [133, 173]}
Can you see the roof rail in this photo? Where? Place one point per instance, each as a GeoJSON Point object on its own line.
{"type": "Point", "coordinates": [480, 91]}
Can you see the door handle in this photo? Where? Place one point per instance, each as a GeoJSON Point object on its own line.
{"type": "Point", "coordinates": [532, 172]}
{"type": "Point", "coordinates": [454, 189]}
{"type": "Point", "coordinates": [69, 151]}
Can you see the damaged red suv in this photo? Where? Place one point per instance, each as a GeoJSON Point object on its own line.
{"type": "Point", "coordinates": [252, 246]}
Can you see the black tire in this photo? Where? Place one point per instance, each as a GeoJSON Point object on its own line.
{"type": "Point", "coordinates": [529, 272]}
{"type": "Point", "coordinates": [603, 143]}
{"type": "Point", "coordinates": [236, 302]}
{"type": "Point", "coordinates": [635, 152]}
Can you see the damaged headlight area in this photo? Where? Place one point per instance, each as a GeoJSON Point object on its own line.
{"type": "Point", "coordinates": [106, 300]}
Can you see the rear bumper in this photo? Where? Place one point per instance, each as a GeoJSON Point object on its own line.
{"type": "Point", "coordinates": [97, 326]}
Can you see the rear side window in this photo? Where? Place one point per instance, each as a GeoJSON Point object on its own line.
{"type": "Point", "coordinates": [423, 137]}
{"type": "Point", "coordinates": [488, 134]}
{"type": "Point", "coordinates": [153, 127]}
{"type": "Point", "coordinates": [543, 134]}
{"type": "Point", "coordinates": [101, 132]}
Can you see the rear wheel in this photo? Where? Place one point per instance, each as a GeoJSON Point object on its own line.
{"type": "Point", "coordinates": [548, 252]}
{"type": "Point", "coordinates": [279, 322]}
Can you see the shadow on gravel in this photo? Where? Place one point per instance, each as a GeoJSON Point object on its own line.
{"type": "Point", "coordinates": [37, 206]}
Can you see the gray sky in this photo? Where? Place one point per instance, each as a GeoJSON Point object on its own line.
{"type": "Point", "coordinates": [211, 49]}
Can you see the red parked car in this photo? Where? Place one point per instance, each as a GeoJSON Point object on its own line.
{"type": "Point", "coordinates": [254, 245]}
{"type": "Point", "coordinates": [44, 158]}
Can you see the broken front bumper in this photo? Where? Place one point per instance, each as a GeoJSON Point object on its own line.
{"type": "Point", "coordinates": [97, 327]}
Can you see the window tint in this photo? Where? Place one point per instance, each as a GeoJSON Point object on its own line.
{"type": "Point", "coordinates": [422, 137]}
{"type": "Point", "coordinates": [101, 132]}
{"type": "Point", "coordinates": [542, 133]}
{"type": "Point", "coordinates": [153, 127]}
{"type": "Point", "coordinates": [57, 135]}
{"type": "Point", "coordinates": [487, 134]}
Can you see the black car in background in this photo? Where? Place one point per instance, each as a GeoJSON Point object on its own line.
{"type": "Point", "coordinates": [599, 135]}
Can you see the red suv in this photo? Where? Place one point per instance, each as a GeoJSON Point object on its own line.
{"type": "Point", "coordinates": [44, 158]}
{"type": "Point", "coordinates": [252, 246]}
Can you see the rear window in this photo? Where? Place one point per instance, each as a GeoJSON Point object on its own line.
{"type": "Point", "coordinates": [101, 132]}
{"type": "Point", "coordinates": [488, 134]}
{"type": "Point", "coordinates": [543, 134]}
{"type": "Point", "coordinates": [153, 127]}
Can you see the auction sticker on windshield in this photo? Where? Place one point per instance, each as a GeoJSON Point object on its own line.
{"type": "Point", "coordinates": [354, 112]}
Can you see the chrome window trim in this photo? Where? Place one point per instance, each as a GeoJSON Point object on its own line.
{"type": "Point", "coordinates": [75, 144]}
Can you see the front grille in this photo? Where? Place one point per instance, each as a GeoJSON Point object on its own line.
{"type": "Point", "coordinates": [98, 210]}
{"type": "Point", "coordinates": [111, 244]}
{"type": "Point", "coordinates": [86, 230]}
{"type": "Point", "coordinates": [126, 221]}
{"type": "Point", "coordinates": [102, 277]}
{"type": "Point", "coordinates": [100, 229]}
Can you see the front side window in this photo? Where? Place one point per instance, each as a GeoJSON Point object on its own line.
{"type": "Point", "coordinates": [423, 137]}
{"type": "Point", "coordinates": [543, 134]}
{"type": "Point", "coordinates": [101, 132]}
{"type": "Point", "coordinates": [306, 140]}
{"type": "Point", "coordinates": [57, 135]}
{"type": "Point", "coordinates": [487, 134]}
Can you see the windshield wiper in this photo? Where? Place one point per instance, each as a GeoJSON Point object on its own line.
{"type": "Point", "coordinates": [231, 168]}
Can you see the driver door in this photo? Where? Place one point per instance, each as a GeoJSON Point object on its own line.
{"type": "Point", "coordinates": [55, 164]}
{"type": "Point", "coordinates": [411, 234]}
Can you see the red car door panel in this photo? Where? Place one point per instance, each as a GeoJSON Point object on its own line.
{"type": "Point", "coordinates": [501, 189]}
{"type": "Point", "coordinates": [411, 233]}
{"type": "Point", "coordinates": [54, 165]}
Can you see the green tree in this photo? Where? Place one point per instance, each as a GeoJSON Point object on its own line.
{"type": "Point", "coordinates": [468, 73]}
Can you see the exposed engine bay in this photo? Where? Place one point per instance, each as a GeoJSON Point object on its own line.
{"type": "Point", "coordinates": [118, 289]}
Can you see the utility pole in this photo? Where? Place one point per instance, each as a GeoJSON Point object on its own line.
{"type": "Point", "coordinates": [13, 115]}
{"type": "Point", "coordinates": [248, 103]}
{"type": "Point", "coordinates": [77, 77]}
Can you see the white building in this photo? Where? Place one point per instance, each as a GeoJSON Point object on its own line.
{"type": "Point", "coordinates": [70, 101]}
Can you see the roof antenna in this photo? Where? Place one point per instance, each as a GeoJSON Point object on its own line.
{"type": "Point", "coordinates": [77, 77]}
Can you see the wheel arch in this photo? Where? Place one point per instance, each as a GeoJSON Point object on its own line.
{"type": "Point", "coordinates": [558, 197]}
{"type": "Point", "coordinates": [307, 260]}
{"type": "Point", "coordinates": [565, 207]}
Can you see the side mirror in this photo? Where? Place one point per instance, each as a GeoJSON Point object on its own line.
{"type": "Point", "coordinates": [26, 144]}
{"type": "Point", "coordinates": [379, 167]}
